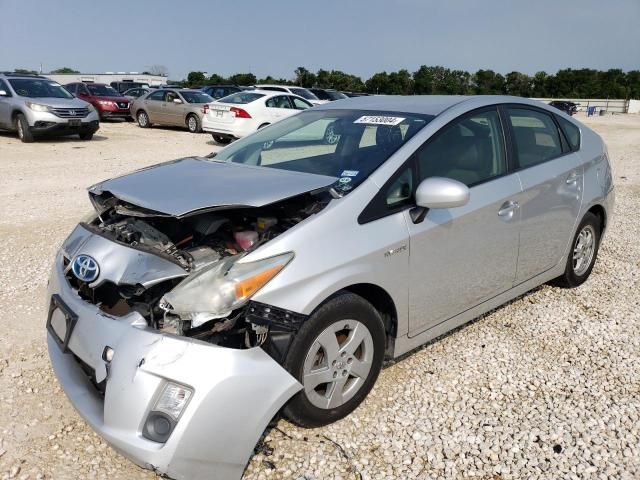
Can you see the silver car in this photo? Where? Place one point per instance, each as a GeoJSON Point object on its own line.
{"type": "Point", "coordinates": [206, 294]}
{"type": "Point", "coordinates": [35, 106]}
{"type": "Point", "coordinates": [177, 107]}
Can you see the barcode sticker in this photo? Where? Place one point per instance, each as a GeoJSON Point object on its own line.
{"type": "Point", "coordinates": [379, 120]}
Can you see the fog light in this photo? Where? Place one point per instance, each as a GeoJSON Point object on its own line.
{"type": "Point", "coordinates": [166, 411]}
{"type": "Point", "coordinates": [158, 427]}
{"type": "Point", "coordinates": [173, 400]}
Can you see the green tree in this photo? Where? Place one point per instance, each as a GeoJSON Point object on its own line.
{"type": "Point", "coordinates": [378, 83]}
{"type": "Point", "coordinates": [304, 78]}
{"type": "Point", "coordinates": [216, 79]}
{"type": "Point", "coordinates": [64, 70]}
{"type": "Point", "coordinates": [488, 82]}
{"type": "Point", "coordinates": [518, 84]}
{"type": "Point", "coordinates": [243, 79]}
{"type": "Point", "coordinates": [195, 78]}
{"type": "Point", "coordinates": [23, 71]}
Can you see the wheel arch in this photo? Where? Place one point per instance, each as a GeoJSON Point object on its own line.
{"type": "Point", "coordinates": [599, 211]}
{"type": "Point", "coordinates": [382, 302]}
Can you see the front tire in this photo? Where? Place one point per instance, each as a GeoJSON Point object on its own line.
{"type": "Point", "coordinates": [336, 355]}
{"type": "Point", "coordinates": [221, 140]}
{"type": "Point", "coordinates": [193, 124]}
{"type": "Point", "coordinates": [22, 126]}
{"type": "Point", "coordinates": [143, 119]}
{"type": "Point", "coordinates": [583, 253]}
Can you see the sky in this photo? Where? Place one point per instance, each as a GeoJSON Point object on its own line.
{"type": "Point", "coordinates": [356, 36]}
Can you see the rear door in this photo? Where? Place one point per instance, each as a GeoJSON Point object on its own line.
{"type": "Point", "coordinates": [279, 107]}
{"type": "Point", "coordinates": [551, 178]}
{"type": "Point", "coordinates": [153, 105]}
{"type": "Point", "coordinates": [460, 257]}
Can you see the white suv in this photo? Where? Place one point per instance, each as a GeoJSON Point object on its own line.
{"type": "Point", "coordinates": [34, 106]}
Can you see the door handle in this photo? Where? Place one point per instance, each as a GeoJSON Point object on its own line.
{"type": "Point", "coordinates": [572, 179]}
{"type": "Point", "coordinates": [507, 208]}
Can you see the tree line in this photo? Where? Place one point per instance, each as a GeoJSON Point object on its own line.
{"type": "Point", "coordinates": [565, 83]}
{"type": "Point", "coordinates": [429, 80]}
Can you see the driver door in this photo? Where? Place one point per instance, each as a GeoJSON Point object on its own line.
{"type": "Point", "coordinates": [460, 257]}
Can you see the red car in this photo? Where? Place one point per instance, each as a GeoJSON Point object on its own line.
{"type": "Point", "coordinates": [108, 102]}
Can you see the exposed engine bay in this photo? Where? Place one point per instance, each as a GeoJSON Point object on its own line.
{"type": "Point", "coordinates": [206, 246]}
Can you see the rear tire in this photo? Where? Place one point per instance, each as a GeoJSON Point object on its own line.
{"type": "Point", "coordinates": [336, 355]}
{"type": "Point", "coordinates": [221, 140]}
{"type": "Point", "coordinates": [143, 119]}
{"type": "Point", "coordinates": [583, 253]}
{"type": "Point", "coordinates": [193, 123]}
{"type": "Point", "coordinates": [86, 136]}
{"type": "Point", "coordinates": [22, 126]}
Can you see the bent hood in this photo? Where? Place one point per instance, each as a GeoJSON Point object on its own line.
{"type": "Point", "coordinates": [189, 185]}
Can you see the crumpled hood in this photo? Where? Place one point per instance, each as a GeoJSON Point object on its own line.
{"type": "Point", "coordinates": [193, 184]}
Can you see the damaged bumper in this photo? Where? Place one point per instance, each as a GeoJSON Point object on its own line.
{"type": "Point", "coordinates": [235, 393]}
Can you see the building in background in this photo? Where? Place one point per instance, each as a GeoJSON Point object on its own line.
{"type": "Point", "coordinates": [108, 77]}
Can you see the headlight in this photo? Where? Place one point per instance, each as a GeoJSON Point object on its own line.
{"type": "Point", "coordinates": [91, 108]}
{"type": "Point", "coordinates": [106, 103]}
{"type": "Point", "coordinates": [215, 291]}
{"type": "Point", "coordinates": [37, 107]}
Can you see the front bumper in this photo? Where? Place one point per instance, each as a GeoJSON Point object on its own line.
{"type": "Point", "coordinates": [235, 392]}
{"type": "Point", "coordinates": [63, 128]}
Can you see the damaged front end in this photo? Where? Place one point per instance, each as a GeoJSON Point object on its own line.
{"type": "Point", "coordinates": [185, 275]}
{"type": "Point", "coordinates": [154, 336]}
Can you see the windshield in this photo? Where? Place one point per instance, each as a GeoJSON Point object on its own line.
{"type": "Point", "coordinates": [38, 88]}
{"type": "Point", "coordinates": [348, 144]}
{"type": "Point", "coordinates": [196, 97]}
{"type": "Point", "coordinates": [304, 93]}
{"type": "Point", "coordinates": [102, 90]}
{"type": "Point", "coordinates": [241, 97]}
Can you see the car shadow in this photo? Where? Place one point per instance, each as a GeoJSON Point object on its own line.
{"type": "Point", "coordinates": [404, 356]}
{"type": "Point", "coordinates": [54, 139]}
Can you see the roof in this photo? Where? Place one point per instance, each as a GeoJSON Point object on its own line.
{"type": "Point", "coordinates": [422, 104]}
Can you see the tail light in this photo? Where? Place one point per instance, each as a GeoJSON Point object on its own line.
{"type": "Point", "coordinates": [240, 113]}
{"type": "Point", "coordinates": [205, 108]}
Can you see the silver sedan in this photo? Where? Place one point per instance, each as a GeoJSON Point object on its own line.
{"type": "Point", "coordinates": [176, 107]}
{"type": "Point", "coordinates": [206, 294]}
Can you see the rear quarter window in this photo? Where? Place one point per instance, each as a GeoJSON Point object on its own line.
{"type": "Point", "coordinates": [571, 132]}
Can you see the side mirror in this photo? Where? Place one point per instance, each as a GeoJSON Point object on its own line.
{"type": "Point", "coordinates": [177, 100]}
{"type": "Point", "coordinates": [3, 93]}
{"type": "Point", "coordinates": [440, 192]}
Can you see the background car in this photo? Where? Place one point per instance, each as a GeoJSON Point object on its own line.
{"type": "Point", "coordinates": [122, 87]}
{"type": "Point", "coordinates": [299, 91]}
{"type": "Point", "coordinates": [37, 106]}
{"type": "Point", "coordinates": [220, 91]}
{"type": "Point", "coordinates": [570, 108]}
{"type": "Point", "coordinates": [328, 94]}
{"type": "Point", "coordinates": [108, 102]}
{"type": "Point", "coordinates": [245, 112]}
{"type": "Point", "coordinates": [356, 94]}
{"type": "Point", "coordinates": [134, 93]}
{"type": "Point", "coordinates": [164, 106]}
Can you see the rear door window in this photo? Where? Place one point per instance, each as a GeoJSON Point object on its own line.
{"type": "Point", "coordinates": [536, 136]}
{"type": "Point", "coordinates": [281, 101]}
{"type": "Point", "coordinates": [158, 96]}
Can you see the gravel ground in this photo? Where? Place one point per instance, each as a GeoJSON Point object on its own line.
{"type": "Point", "coordinates": [547, 386]}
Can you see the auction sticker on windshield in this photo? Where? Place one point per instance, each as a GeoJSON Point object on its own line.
{"type": "Point", "coordinates": [379, 120]}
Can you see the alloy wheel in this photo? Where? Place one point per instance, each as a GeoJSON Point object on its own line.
{"type": "Point", "coordinates": [583, 250]}
{"type": "Point", "coordinates": [338, 364]}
